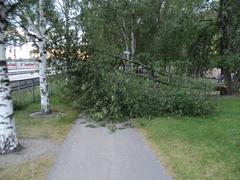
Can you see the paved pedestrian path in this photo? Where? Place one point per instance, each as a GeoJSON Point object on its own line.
{"type": "Point", "coordinates": [95, 154]}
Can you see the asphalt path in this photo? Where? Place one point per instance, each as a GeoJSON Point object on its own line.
{"type": "Point", "coordinates": [96, 154]}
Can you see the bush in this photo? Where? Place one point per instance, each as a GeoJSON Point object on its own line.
{"type": "Point", "coordinates": [114, 96]}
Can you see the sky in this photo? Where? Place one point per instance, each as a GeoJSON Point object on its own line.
{"type": "Point", "coordinates": [22, 52]}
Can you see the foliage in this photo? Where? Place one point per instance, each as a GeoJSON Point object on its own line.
{"type": "Point", "coordinates": [181, 37]}
{"type": "Point", "coordinates": [165, 31]}
{"type": "Point", "coordinates": [108, 94]}
{"type": "Point", "coordinates": [160, 36]}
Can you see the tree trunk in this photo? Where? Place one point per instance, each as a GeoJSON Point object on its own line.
{"type": "Point", "coordinates": [235, 87]}
{"type": "Point", "coordinates": [8, 139]}
{"type": "Point", "coordinates": [228, 81]}
{"type": "Point", "coordinates": [224, 42]}
{"type": "Point", "coordinates": [45, 108]}
{"type": "Point", "coordinates": [133, 45]}
{"type": "Point", "coordinates": [125, 38]}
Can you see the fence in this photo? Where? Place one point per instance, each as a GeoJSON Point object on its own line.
{"type": "Point", "coordinates": [26, 90]}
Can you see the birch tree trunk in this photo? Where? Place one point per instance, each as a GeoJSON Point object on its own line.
{"type": "Point", "coordinates": [45, 108]}
{"type": "Point", "coordinates": [125, 38]}
{"type": "Point", "coordinates": [8, 139]}
{"type": "Point", "coordinates": [133, 45]}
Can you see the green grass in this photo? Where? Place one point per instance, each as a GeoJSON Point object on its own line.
{"type": "Point", "coordinates": [32, 170]}
{"type": "Point", "coordinates": [54, 128]}
{"type": "Point", "coordinates": [198, 148]}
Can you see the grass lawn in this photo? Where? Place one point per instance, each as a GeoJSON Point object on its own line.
{"type": "Point", "coordinates": [54, 128]}
{"type": "Point", "coordinates": [198, 148]}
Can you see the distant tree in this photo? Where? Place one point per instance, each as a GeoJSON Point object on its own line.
{"type": "Point", "coordinates": [65, 37]}
{"type": "Point", "coordinates": [155, 32]}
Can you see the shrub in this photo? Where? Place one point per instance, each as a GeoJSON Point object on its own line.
{"type": "Point", "coordinates": [109, 95]}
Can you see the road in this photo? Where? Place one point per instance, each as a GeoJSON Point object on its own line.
{"type": "Point", "coordinates": [96, 154]}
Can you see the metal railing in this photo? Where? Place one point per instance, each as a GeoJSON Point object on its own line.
{"type": "Point", "coordinates": [25, 88]}
{"type": "Point", "coordinates": [25, 85]}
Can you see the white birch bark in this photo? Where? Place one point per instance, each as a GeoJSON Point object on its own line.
{"type": "Point", "coordinates": [126, 53]}
{"type": "Point", "coordinates": [8, 139]}
{"type": "Point", "coordinates": [125, 36]}
{"type": "Point", "coordinates": [40, 35]}
{"type": "Point", "coordinates": [45, 108]}
{"type": "Point", "coordinates": [133, 45]}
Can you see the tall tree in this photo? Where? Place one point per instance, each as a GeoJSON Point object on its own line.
{"type": "Point", "coordinates": [45, 107]}
{"type": "Point", "coordinates": [66, 34]}
{"type": "Point", "coordinates": [229, 43]}
{"type": "Point", "coordinates": [8, 139]}
{"type": "Point", "coordinates": [34, 23]}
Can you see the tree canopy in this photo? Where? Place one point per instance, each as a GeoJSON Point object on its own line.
{"type": "Point", "coordinates": [170, 42]}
